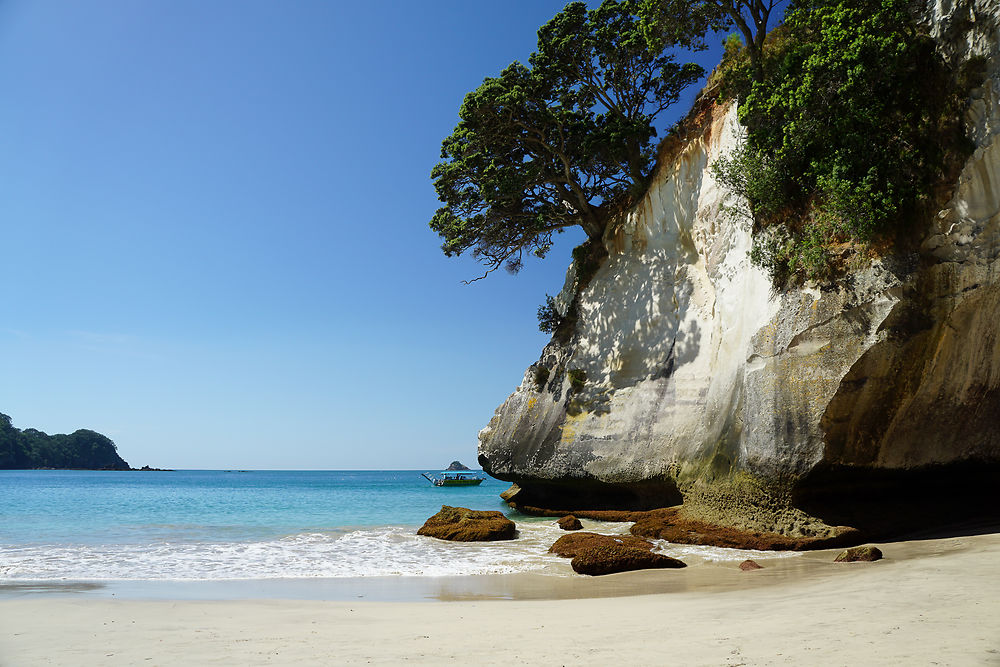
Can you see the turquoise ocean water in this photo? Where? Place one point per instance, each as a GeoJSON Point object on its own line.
{"type": "Point", "coordinates": [205, 524]}
{"type": "Point", "coordinates": [210, 525]}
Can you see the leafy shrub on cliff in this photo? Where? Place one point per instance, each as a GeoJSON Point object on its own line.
{"type": "Point", "coordinates": [541, 376]}
{"type": "Point", "coordinates": [587, 259]}
{"type": "Point", "coordinates": [549, 318]}
{"type": "Point", "coordinates": [855, 123]}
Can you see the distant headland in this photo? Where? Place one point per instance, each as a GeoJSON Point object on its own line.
{"type": "Point", "coordinates": [83, 449]}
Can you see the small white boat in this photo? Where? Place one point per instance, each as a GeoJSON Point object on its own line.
{"type": "Point", "coordinates": [454, 478]}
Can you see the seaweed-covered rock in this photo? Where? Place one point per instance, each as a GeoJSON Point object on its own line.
{"type": "Point", "coordinates": [749, 565]}
{"type": "Point", "coordinates": [460, 524]}
{"type": "Point", "coordinates": [569, 522]}
{"type": "Point", "coordinates": [856, 554]}
{"type": "Point", "coordinates": [594, 554]}
{"type": "Point", "coordinates": [670, 524]}
{"type": "Point", "coordinates": [569, 546]}
{"type": "Point", "coordinates": [619, 558]}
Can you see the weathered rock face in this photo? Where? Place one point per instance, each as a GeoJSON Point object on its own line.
{"type": "Point", "coordinates": [768, 411]}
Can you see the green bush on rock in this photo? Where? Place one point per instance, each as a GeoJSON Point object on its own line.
{"type": "Point", "coordinates": [855, 123]}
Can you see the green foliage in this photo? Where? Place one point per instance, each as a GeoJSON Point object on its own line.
{"type": "Point", "coordinates": [549, 145]}
{"type": "Point", "coordinates": [11, 452]}
{"type": "Point", "coordinates": [734, 71]}
{"type": "Point", "coordinates": [549, 318]}
{"type": "Point", "coordinates": [587, 259]}
{"type": "Point", "coordinates": [680, 22]}
{"type": "Point", "coordinates": [541, 376]}
{"type": "Point", "coordinates": [732, 47]}
{"type": "Point", "coordinates": [677, 20]}
{"type": "Point", "coordinates": [577, 378]}
{"type": "Point", "coordinates": [748, 174]}
{"type": "Point", "coordinates": [31, 448]}
{"type": "Point", "coordinates": [855, 123]}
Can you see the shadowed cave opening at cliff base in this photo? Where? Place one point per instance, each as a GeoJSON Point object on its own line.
{"type": "Point", "coordinates": [557, 498]}
{"type": "Point", "coordinates": [869, 504]}
{"type": "Point", "coordinates": [943, 500]}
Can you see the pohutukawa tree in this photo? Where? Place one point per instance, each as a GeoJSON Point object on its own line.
{"type": "Point", "coordinates": [553, 144]}
{"type": "Point", "coordinates": [687, 21]}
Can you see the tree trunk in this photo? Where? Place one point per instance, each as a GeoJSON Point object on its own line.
{"type": "Point", "coordinates": [593, 226]}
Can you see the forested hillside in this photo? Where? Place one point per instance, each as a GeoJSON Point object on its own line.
{"type": "Point", "coordinates": [32, 448]}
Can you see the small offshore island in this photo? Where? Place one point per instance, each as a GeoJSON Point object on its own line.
{"type": "Point", "coordinates": [80, 450]}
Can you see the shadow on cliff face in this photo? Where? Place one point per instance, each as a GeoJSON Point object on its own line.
{"type": "Point", "coordinates": [912, 437]}
{"type": "Point", "coordinates": [567, 496]}
{"type": "Point", "coordinates": [637, 325]}
{"type": "Point", "coordinates": [931, 501]}
{"type": "Point", "coordinates": [645, 337]}
{"type": "Point", "coordinates": [926, 394]}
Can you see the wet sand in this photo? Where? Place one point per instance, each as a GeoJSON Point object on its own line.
{"type": "Point", "coordinates": [929, 601]}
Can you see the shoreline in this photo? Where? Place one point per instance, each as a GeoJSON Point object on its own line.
{"type": "Point", "coordinates": [556, 581]}
{"type": "Point", "coordinates": [930, 600]}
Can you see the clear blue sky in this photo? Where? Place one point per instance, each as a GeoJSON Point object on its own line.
{"type": "Point", "coordinates": [215, 246]}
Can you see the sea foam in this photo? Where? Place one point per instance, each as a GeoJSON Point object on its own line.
{"type": "Point", "coordinates": [366, 552]}
{"type": "Point", "coordinates": [372, 552]}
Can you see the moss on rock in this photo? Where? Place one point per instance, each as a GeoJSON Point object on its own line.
{"type": "Point", "coordinates": [460, 524]}
{"type": "Point", "coordinates": [595, 554]}
{"type": "Point", "coordinates": [569, 522]}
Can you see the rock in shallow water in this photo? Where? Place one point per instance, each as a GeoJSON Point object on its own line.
{"type": "Point", "coordinates": [857, 554]}
{"type": "Point", "coordinates": [569, 522]}
{"type": "Point", "coordinates": [594, 554]}
{"type": "Point", "coordinates": [749, 565]}
{"type": "Point", "coordinates": [460, 524]}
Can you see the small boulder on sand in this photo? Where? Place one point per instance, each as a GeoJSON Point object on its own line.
{"type": "Point", "coordinates": [594, 554]}
{"type": "Point", "coordinates": [856, 554]}
{"type": "Point", "coordinates": [460, 524]}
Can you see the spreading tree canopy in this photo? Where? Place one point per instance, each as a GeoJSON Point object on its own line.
{"type": "Point", "coordinates": [687, 21]}
{"type": "Point", "coordinates": [552, 144]}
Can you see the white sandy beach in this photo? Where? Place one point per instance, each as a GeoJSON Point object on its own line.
{"type": "Point", "coordinates": [929, 602]}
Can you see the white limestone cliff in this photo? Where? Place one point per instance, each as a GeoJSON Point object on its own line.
{"type": "Point", "coordinates": [757, 408]}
